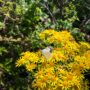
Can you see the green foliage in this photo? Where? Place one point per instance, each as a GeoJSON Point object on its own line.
{"type": "Point", "coordinates": [2, 25]}
{"type": "Point", "coordinates": [22, 20]}
{"type": "Point", "coordinates": [2, 49]}
{"type": "Point", "coordinates": [83, 10]}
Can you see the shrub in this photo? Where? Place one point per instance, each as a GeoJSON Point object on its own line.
{"type": "Point", "coordinates": [61, 69]}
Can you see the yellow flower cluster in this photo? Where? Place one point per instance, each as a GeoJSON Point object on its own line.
{"type": "Point", "coordinates": [52, 36]}
{"type": "Point", "coordinates": [83, 61]}
{"type": "Point", "coordinates": [49, 79]}
{"type": "Point", "coordinates": [64, 70]}
{"type": "Point", "coordinates": [61, 39]}
{"type": "Point", "coordinates": [29, 59]}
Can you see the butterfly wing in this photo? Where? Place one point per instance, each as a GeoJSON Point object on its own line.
{"type": "Point", "coordinates": [46, 53]}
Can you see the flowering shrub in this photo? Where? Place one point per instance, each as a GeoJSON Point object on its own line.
{"type": "Point", "coordinates": [64, 69]}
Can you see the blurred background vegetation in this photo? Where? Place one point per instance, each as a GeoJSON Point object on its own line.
{"type": "Point", "coordinates": [20, 23]}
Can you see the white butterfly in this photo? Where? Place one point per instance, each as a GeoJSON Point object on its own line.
{"type": "Point", "coordinates": [47, 52]}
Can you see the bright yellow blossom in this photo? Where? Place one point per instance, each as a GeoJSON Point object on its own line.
{"type": "Point", "coordinates": [20, 62]}
{"type": "Point", "coordinates": [30, 67]}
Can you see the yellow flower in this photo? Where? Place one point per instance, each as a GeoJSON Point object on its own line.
{"type": "Point", "coordinates": [26, 55]}
{"type": "Point", "coordinates": [30, 67]}
{"type": "Point", "coordinates": [87, 54]}
{"type": "Point", "coordinates": [42, 59]}
{"type": "Point", "coordinates": [76, 81]}
{"type": "Point", "coordinates": [77, 58]}
{"type": "Point", "coordinates": [20, 62]}
{"type": "Point", "coordinates": [46, 33]}
{"type": "Point", "coordinates": [62, 71]}
{"type": "Point", "coordinates": [65, 85]}
{"type": "Point", "coordinates": [69, 76]}
{"type": "Point", "coordinates": [51, 64]}
{"type": "Point", "coordinates": [58, 56]}
{"type": "Point", "coordinates": [39, 84]}
{"type": "Point", "coordinates": [39, 74]}
{"type": "Point", "coordinates": [55, 78]}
